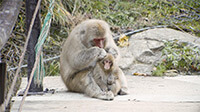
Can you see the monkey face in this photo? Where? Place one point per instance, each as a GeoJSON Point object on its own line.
{"type": "Point", "coordinates": [99, 42]}
{"type": "Point", "coordinates": [107, 64]}
{"type": "Point", "coordinates": [94, 35]}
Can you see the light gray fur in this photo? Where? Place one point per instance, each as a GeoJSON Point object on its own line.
{"type": "Point", "coordinates": [78, 57]}
{"type": "Point", "coordinates": [107, 80]}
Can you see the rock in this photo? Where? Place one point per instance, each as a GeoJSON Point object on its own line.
{"type": "Point", "coordinates": [145, 49]}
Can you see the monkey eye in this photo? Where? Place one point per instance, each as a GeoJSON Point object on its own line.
{"type": "Point", "coordinates": [107, 61]}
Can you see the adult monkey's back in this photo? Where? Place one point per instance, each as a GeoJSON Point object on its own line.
{"type": "Point", "coordinates": [87, 43]}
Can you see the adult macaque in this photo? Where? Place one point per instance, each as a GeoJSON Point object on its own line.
{"type": "Point", "coordinates": [87, 44]}
{"type": "Point", "coordinates": [106, 75]}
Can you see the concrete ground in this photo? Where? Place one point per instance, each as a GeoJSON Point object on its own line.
{"type": "Point", "coordinates": [147, 94]}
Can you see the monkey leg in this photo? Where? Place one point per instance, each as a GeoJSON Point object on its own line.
{"type": "Point", "coordinates": [84, 82]}
{"type": "Point", "coordinates": [124, 86]}
{"type": "Point", "coordinates": [93, 90]}
{"type": "Point", "coordinates": [115, 87]}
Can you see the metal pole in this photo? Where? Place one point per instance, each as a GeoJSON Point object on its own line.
{"type": "Point", "coordinates": [2, 84]}
{"type": "Point", "coordinates": [30, 8]}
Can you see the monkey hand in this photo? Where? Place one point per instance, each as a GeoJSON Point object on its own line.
{"type": "Point", "coordinates": [112, 51]}
{"type": "Point", "coordinates": [102, 54]}
{"type": "Point", "coordinates": [107, 95]}
{"type": "Point", "coordinates": [110, 95]}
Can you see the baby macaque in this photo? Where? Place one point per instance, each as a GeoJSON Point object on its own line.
{"type": "Point", "coordinates": [106, 74]}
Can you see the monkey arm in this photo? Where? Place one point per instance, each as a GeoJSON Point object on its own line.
{"type": "Point", "coordinates": [87, 58]}
{"type": "Point", "coordinates": [114, 52]}
{"type": "Point", "coordinates": [112, 48]}
{"type": "Point", "coordinates": [123, 82]}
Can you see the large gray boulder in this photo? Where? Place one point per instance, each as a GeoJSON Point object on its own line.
{"type": "Point", "coordinates": [144, 49]}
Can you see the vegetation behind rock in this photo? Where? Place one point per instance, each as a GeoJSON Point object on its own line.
{"type": "Point", "coordinates": [122, 15]}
